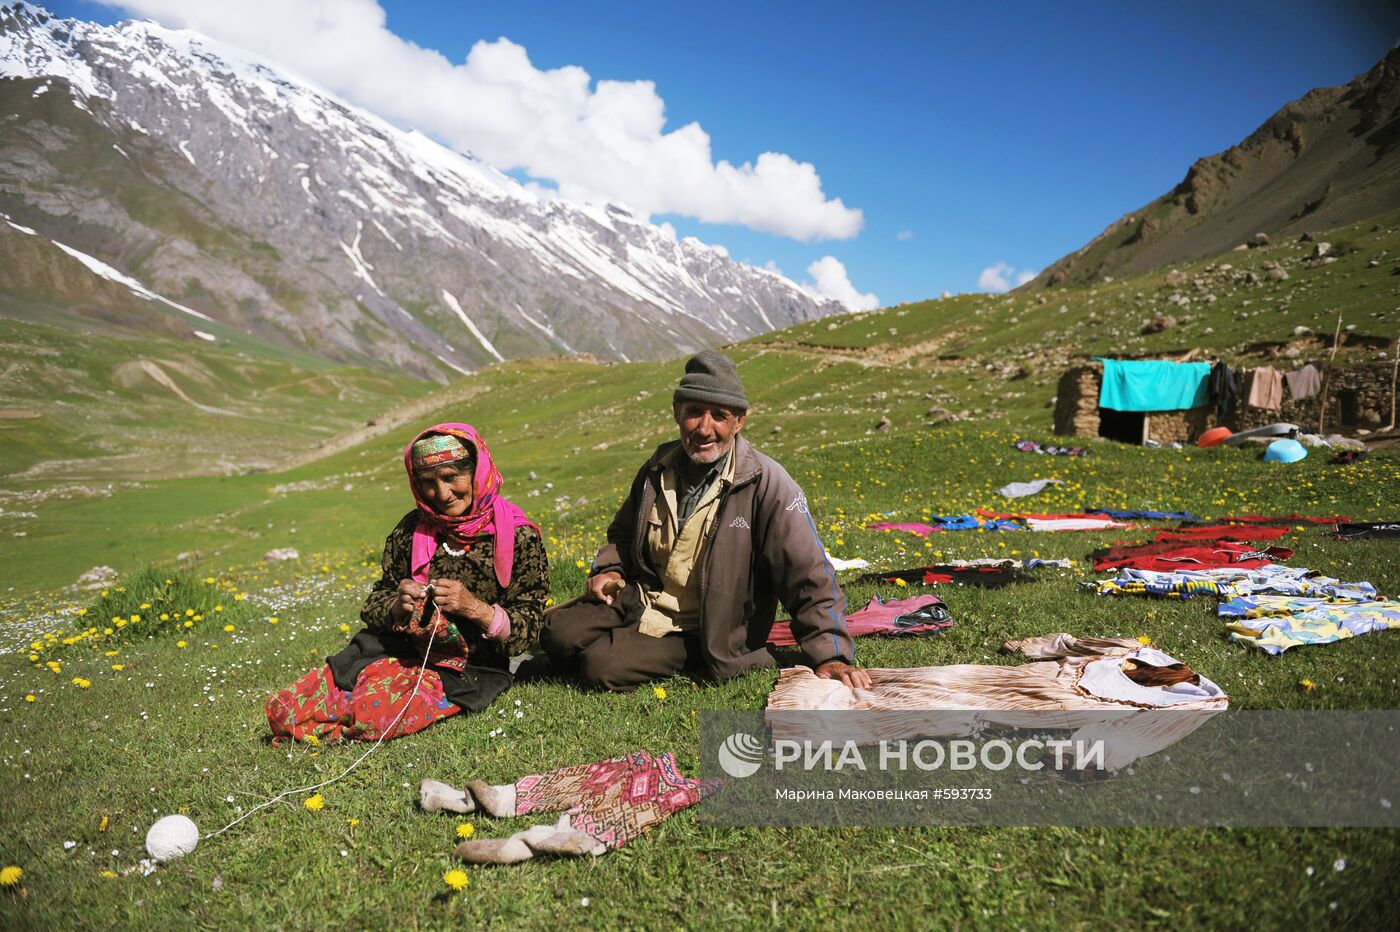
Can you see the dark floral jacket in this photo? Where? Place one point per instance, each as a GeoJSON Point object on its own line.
{"type": "Point", "coordinates": [524, 601]}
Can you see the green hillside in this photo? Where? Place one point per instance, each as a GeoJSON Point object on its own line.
{"type": "Point", "coordinates": [173, 719]}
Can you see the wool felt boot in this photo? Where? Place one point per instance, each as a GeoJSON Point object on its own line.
{"type": "Point", "coordinates": [559, 839]}
{"type": "Point", "coordinates": [435, 796]}
{"type": "Point", "coordinates": [498, 801]}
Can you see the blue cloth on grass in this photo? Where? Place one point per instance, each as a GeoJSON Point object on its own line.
{"type": "Point", "coordinates": [1153, 385]}
{"type": "Point", "coordinates": [1145, 515]}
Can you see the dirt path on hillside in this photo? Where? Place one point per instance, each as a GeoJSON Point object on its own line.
{"type": "Point", "coordinates": [384, 423]}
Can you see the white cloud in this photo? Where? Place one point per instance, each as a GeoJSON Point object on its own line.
{"type": "Point", "coordinates": [999, 277]}
{"type": "Point", "coordinates": [829, 280]}
{"type": "Point", "coordinates": [904, 235]}
{"type": "Point", "coordinates": [597, 141]}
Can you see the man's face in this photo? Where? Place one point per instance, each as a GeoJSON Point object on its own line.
{"type": "Point", "coordinates": [707, 430]}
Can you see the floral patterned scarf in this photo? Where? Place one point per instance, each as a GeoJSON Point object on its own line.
{"type": "Point", "coordinates": [490, 514]}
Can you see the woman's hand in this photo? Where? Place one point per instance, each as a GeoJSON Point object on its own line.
{"type": "Point", "coordinates": [457, 599]}
{"type": "Point", "coordinates": [410, 593]}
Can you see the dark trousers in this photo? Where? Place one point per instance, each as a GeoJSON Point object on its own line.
{"type": "Point", "coordinates": [594, 641]}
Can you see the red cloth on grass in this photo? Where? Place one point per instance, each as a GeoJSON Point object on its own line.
{"type": "Point", "coordinates": [877, 618]}
{"type": "Point", "coordinates": [1223, 532]}
{"type": "Point", "coordinates": [1285, 519]}
{"type": "Point", "coordinates": [1174, 555]}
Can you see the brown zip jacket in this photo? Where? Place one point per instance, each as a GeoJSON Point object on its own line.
{"type": "Point", "coordinates": [763, 549]}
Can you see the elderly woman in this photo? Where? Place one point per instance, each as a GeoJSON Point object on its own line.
{"type": "Point", "coordinates": [464, 586]}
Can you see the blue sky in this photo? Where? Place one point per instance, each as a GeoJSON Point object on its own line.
{"type": "Point", "coordinates": [966, 135]}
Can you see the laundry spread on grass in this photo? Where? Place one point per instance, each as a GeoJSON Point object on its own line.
{"type": "Point", "coordinates": [1274, 623]}
{"type": "Point", "coordinates": [1068, 521]}
{"type": "Point", "coordinates": [920, 615]}
{"type": "Point", "coordinates": [1023, 489]}
{"type": "Point", "coordinates": [1233, 532]}
{"type": "Point", "coordinates": [1165, 556]}
{"type": "Point", "coordinates": [1368, 530]}
{"type": "Point", "coordinates": [952, 523]}
{"type": "Point", "coordinates": [941, 574]}
{"type": "Point", "coordinates": [1120, 515]}
{"type": "Point", "coordinates": [1284, 519]}
{"type": "Point", "coordinates": [1030, 446]}
{"type": "Point", "coordinates": [1228, 582]}
{"type": "Point", "coordinates": [1089, 682]}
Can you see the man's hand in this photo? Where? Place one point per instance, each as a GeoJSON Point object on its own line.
{"type": "Point", "coordinates": [409, 594]}
{"type": "Point", "coordinates": [840, 670]}
{"type": "Point", "coordinates": [453, 597]}
{"type": "Point", "coordinates": [602, 587]}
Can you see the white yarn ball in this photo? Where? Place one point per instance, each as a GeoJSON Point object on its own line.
{"type": "Point", "coordinates": [172, 837]}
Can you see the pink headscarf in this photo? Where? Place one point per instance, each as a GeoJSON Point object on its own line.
{"type": "Point", "coordinates": [490, 514]}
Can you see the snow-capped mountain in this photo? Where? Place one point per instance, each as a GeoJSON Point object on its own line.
{"type": "Point", "coordinates": [233, 190]}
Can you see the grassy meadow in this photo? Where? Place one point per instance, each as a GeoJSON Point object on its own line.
{"type": "Point", "coordinates": [103, 732]}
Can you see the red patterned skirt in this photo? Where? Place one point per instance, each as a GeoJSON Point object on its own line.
{"type": "Point", "coordinates": [382, 704]}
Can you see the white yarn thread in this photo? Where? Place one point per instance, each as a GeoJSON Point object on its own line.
{"type": "Point", "coordinates": [388, 731]}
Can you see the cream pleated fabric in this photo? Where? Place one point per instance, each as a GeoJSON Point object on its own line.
{"type": "Point", "coordinates": [1078, 684]}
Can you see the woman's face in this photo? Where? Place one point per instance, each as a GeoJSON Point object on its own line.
{"type": "Point", "coordinates": [447, 489]}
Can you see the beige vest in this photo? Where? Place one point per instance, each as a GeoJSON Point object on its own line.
{"type": "Point", "coordinates": [676, 552]}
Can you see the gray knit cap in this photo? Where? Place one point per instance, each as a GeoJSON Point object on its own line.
{"type": "Point", "coordinates": [711, 376]}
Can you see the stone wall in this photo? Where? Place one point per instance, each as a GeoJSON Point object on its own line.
{"type": "Point", "coordinates": [1179, 426]}
{"type": "Point", "coordinates": [1077, 401]}
{"type": "Point", "coordinates": [1358, 397]}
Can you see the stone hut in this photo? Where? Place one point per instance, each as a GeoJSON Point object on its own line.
{"type": "Point", "coordinates": [1359, 397]}
{"type": "Point", "coordinates": [1077, 413]}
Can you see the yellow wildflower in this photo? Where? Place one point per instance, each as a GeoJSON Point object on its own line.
{"type": "Point", "coordinates": [31, 698]}
{"type": "Point", "coordinates": [11, 873]}
{"type": "Point", "coordinates": [455, 878]}
{"type": "Point", "coordinates": [108, 874]}
{"type": "Point", "coordinates": [228, 628]}
{"type": "Point", "coordinates": [1308, 685]}
{"type": "Point", "coordinates": [272, 620]}
{"type": "Point", "coordinates": [118, 667]}
{"type": "Point", "coordinates": [315, 803]}
{"type": "Point", "coordinates": [900, 582]}
{"type": "Point", "coordinates": [659, 692]}
{"type": "Point", "coordinates": [81, 683]}
{"type": "Point", "coordinates": [465, 830]}
{"type": "Point", "coordinates": [344, 629]}
{"type": "Point", "coordinates": [1144, 639]}
{"type": "Point", "coordinates": [180, 644]}
{"type": "Point", "coordinates": [103, 826]}
{"type": "Point", "coordinates": [352, 822]}
{"type": "Point", "coordinates": [311, 739]}
{"type": "Point", "coordinates": [135, 618]}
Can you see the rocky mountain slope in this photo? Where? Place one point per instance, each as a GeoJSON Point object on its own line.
{"type": "Point", "coordinates": [1330, 158]}
{"type": "Point", "coordinates": [154, 178]}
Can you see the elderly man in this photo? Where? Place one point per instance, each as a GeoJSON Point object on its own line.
{"type": "Point", "coordinates": [711, 538]}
